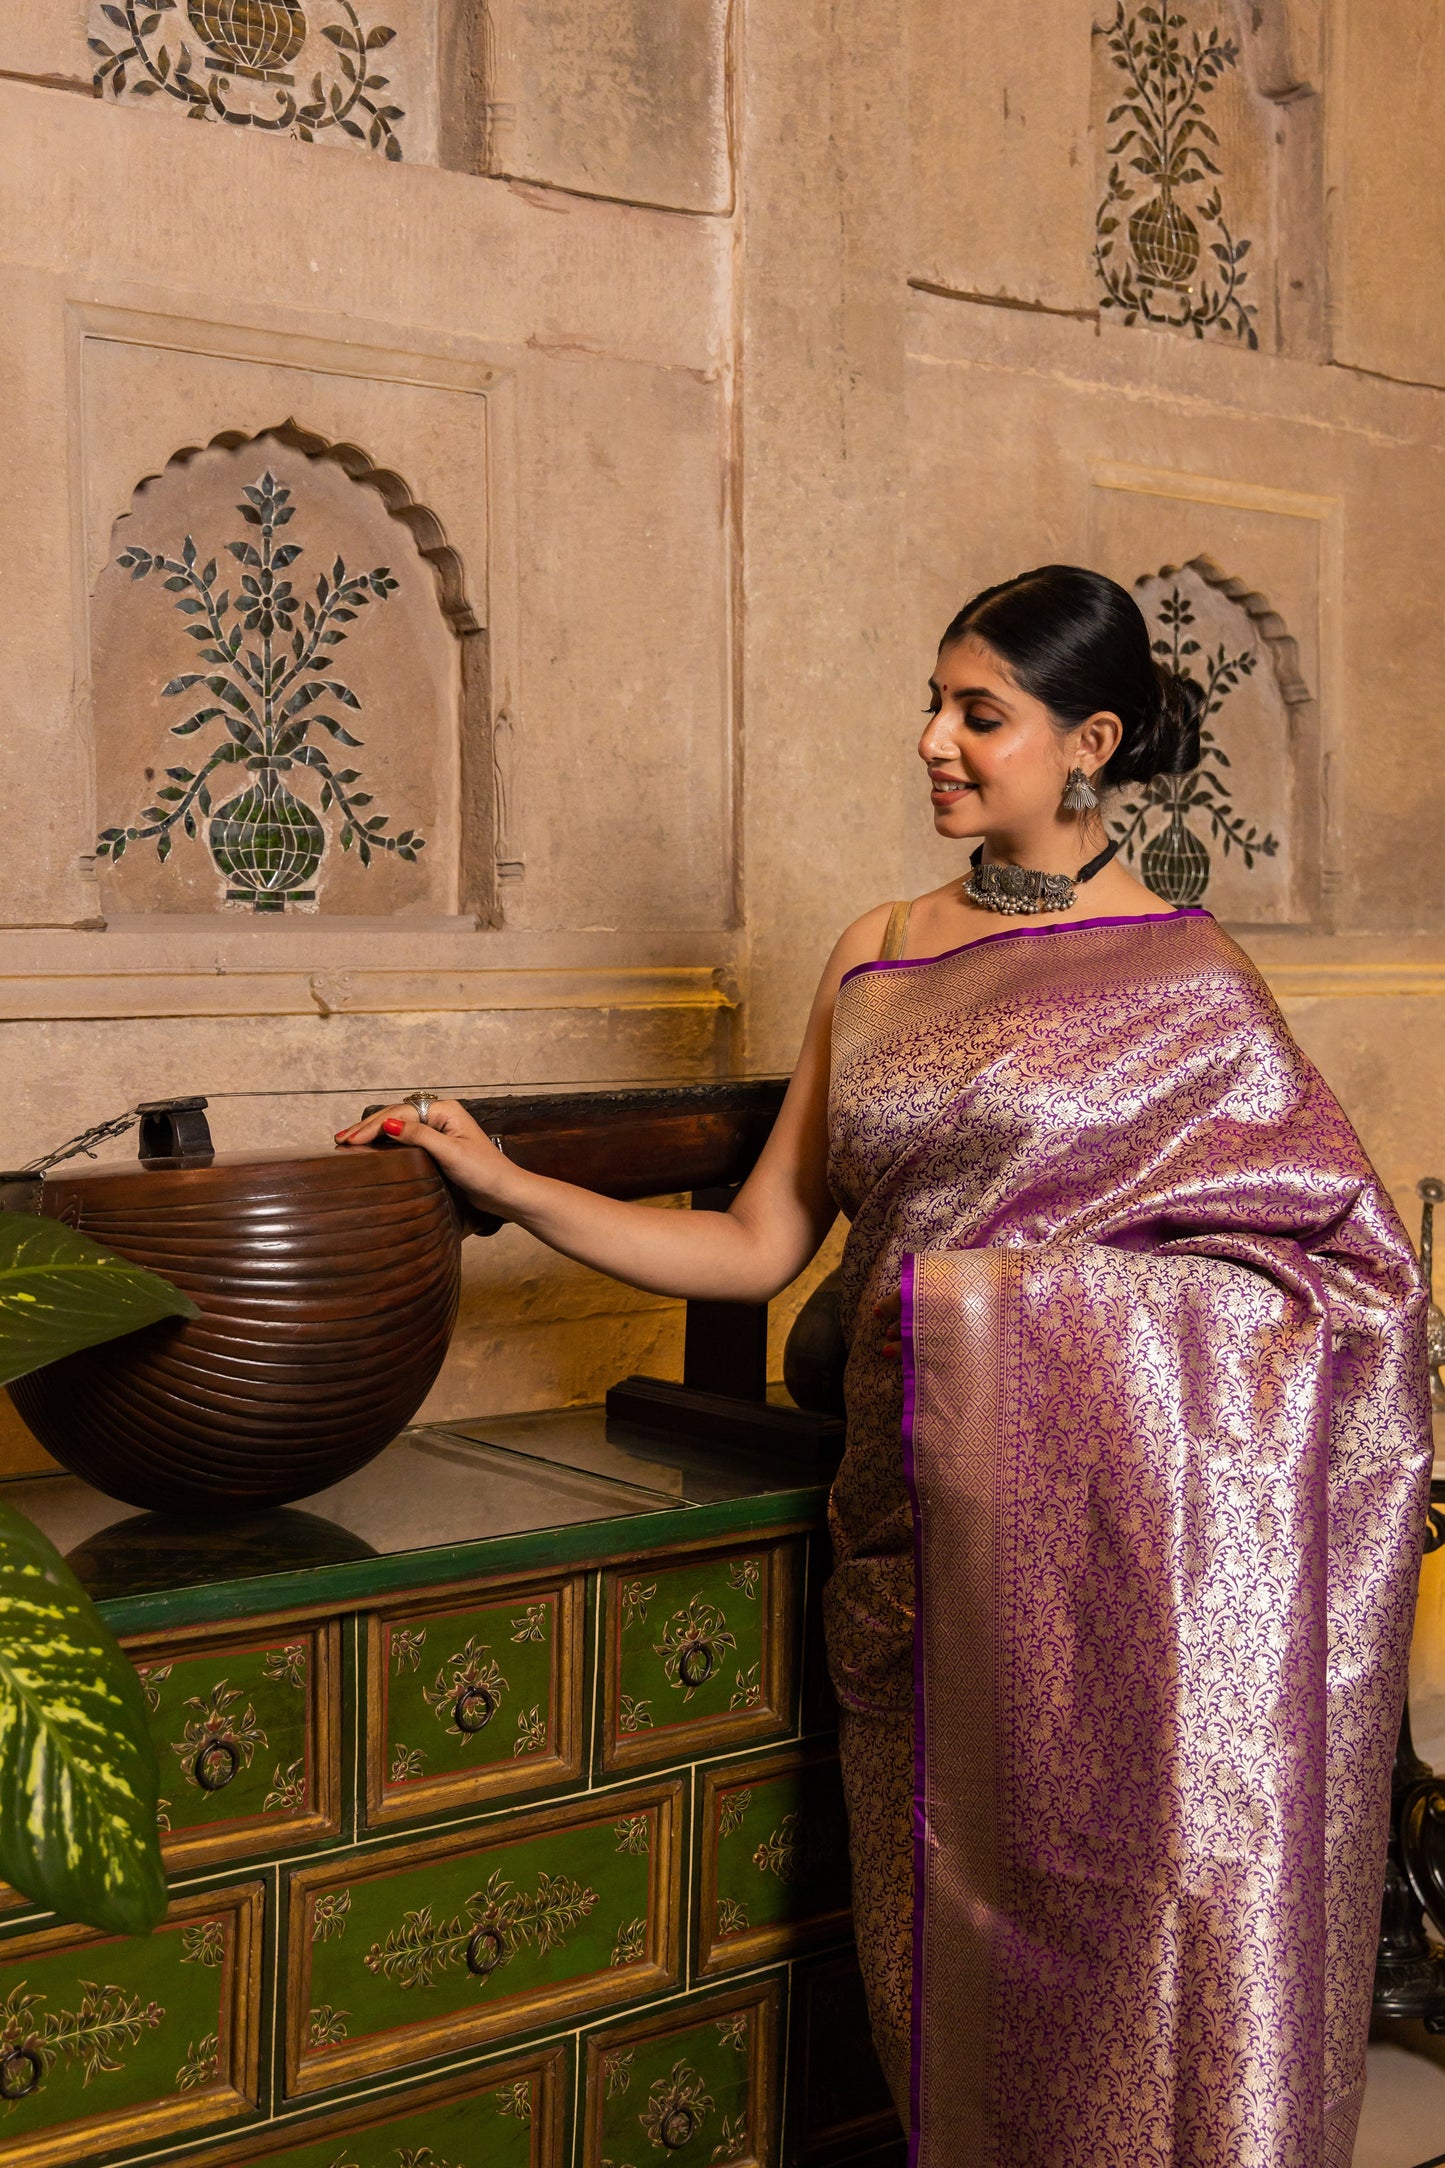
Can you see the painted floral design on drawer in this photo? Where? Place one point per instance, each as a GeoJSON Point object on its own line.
{"type": "Point", "coordinates": [502, 2115]}
{"type": "Point", "coordinates": [453, 1940]}
{"type": "Point", "coordinates": [696, 2088]}
{"type": "Point", "coordinates": [473, 1700]}
{"type": "Point", "coordinates": [700, 1653]}
{"type": "Point", "coordinates": [246, 1733]}
{"type": "Point", "coordinates": [775, 1873]}
{"type": "Point", "coordinates": [110, 2040]}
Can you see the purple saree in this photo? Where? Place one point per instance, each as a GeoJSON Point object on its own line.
{"type": "Point", "coordinates": [1125, 1559]}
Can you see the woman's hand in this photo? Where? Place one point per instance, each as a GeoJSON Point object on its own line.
{"type": "Point", "coordinates": [890, 1311]}
{"type": "Point", "coordinates": [466, 1155]}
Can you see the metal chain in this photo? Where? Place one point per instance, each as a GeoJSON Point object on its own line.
{"type": "Point", "coordinates": [100, 1134]}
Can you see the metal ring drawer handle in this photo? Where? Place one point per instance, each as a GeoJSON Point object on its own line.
{"type": "Point", "coordinates": [485, 1951]}
{"type": "Point", "coordinates": [20, 2073]}
{"type": "Point", "coordinates": [696, 1665]}
{"type": "Point", "coordinates": [215, 1764]}
{"type": "Point", "coordinates": [677, 2127]}
{"type": "Point", "coordinates": [473, 1708]}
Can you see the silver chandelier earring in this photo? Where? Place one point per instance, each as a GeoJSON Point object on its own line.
{"type": "Point", "coordinates": [1080, 795]}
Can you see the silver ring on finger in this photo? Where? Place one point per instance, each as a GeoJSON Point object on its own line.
{"type": "Point", "coordinates": [423, 1101]}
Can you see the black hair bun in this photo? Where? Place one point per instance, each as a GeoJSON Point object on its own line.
{"type": "Point", "coordinates": [1168, 741]}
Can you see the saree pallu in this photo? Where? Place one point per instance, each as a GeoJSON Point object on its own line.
{"type": "Point", "coordinates": [1125, 1557]}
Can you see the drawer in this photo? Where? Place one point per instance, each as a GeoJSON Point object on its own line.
{"type": "Point", "coordinates": [110, 2041]}
{"type": "Point", "coordinates": [839, 2103]}
{"type": "Point", "coordinates": [775, 1875]}
{"type": "Point", "coordinates": [701, 1653]}
{"type": "Point", "coordinates": [247, 1727]}
{"type": "Point", "coordinates": [696, 2085]}
{"type": "Point", "coordinates": [474, 1699]}
{"type": "Point", "coordinates": [447, 1942]}
{"type": "Point", "coordinates": [499, 2115]}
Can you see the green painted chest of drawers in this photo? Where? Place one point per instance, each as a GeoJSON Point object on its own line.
{"type": "Point", "coordinates": [502, 1815]}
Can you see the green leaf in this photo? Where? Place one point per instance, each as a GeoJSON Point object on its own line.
{"type": "Point", "coordinates": [78, 1776]}
{"type": "Point", "coordinates": [60, 1292]}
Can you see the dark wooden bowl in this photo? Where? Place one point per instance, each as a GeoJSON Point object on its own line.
{"type": "Point", "coordinates": [327, 1287]}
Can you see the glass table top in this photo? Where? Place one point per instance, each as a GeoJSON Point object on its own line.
{"type": "Point", "coordinates": [437, 1484]}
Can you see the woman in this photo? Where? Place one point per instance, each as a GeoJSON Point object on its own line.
{"type": "Point", "coordinates": [1126, 1544]}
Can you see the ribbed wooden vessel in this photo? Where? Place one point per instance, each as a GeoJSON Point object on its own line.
{"type": "Point", "coordinates": [327, 1289]}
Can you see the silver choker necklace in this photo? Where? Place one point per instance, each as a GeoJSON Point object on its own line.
{"type": "Point", "coordinates": [1021, 891]}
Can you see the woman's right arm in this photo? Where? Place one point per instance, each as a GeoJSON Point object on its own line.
{"type": "Point", "coordinates": [775, 1225]}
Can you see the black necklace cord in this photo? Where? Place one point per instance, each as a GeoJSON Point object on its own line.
{"type": "Point", "coordinates": [1085, 873]}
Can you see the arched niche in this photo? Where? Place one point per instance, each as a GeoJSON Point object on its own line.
{"type": "Point", "coordinates": [1235, 835]}
{"type": "Point", "coordinates": [268, 597]}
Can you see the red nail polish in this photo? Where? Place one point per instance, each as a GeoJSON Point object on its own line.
{"type": "Point", "coordinates": [393, 1125]}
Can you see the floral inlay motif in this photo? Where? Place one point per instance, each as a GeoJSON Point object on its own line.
{"type": "Point", "coordinates": [1174, 859]}
{"type": "Point", "coordinates": [692, 1644]}
{"type": "Point", "coordinates": [202, 2064]}
{"type": "Point", "coordinates": [780, 1853]}
{"type": "Point", "coordinates": [733, 2143]}
{"type": "Point", "coordinates": [152, 1677]}
{"type": "Point", "coordinates": [329, 1913]}
{"type": "Point", "coordinates": [219, 1740]}
{"type": "Point", "coordinates": [634, 1712]}
{"type": "Point", "coordinates": [531, 1731]}
{"type": "Point", "coordinates": [246, 42]}
{"type": "Point", "coordinates": [632, 1833]}
{"type": "Point", "coordinates": [288, 1790]}
{"type": "Point", "coordinates": [497, 1921]}
{"type": "Point", "coordinates": [532, 1626]}
{"type": "Point", "coordinates": [631, 1943]}
{"type": "Point", "coordinates": [747, 1689]}
{"type": "Point", "coordinates": [733, 2031]}
{"type": "Point", "coordinates": [1161, 201]}
{"type": "Point", "coordinates": [267, 843]}
{"type": "Point", "coordinates": [633, 1598]}
{"type": "Point", "coordinates": [516, 2099]}
{"type": "Point", "coordinates": [406, 1763]}
{"type": "Point", "coordinates": [325, 2027]}
{"type": "Point", "coordinates": [407, 1643]}
{"type": "Point", "coordinates": [732, 1808]}
{"type": "Point", "coordinates": [467, 1690]}
{"type": "Point", "coordinates": [203, 1943]}
{"type": "Point", "coordinates": [677, 2107]}
{"type": "Point", "coordinates": [744, 1575]}
{"type": "Point", "coordinates": [732, 1918]}
{"type": "Point", "coordinates": [95, 2034]}
{"type": "Point", "coordinates": [619, 2071]}
{"type": "Point", "coordinates": [288, 1663]}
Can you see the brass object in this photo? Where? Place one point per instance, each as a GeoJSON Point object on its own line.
{"type": "Point", "coordinates": [655, 1966]}
{"type": "Point", "coordinates": [327, 1285]}
{"type": "Point", "coordinates": [389, 1801]}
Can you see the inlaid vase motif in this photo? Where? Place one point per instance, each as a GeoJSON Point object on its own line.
{"type": "Point", "coordinates": [254, 35]}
